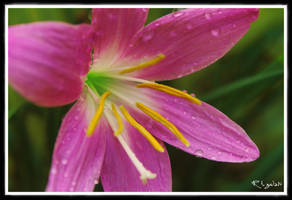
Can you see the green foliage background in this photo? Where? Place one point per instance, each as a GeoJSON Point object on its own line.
{"type": "Point", "coordinates": [246, 84]}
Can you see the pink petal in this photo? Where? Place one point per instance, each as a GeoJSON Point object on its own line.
{"type": "Point", "coordinates": [211, 134]}
{"type": "Point", "coordinates": [46, 60]}
{"type": "Point", "coordinates": [190, 39]}
{"type": "Point", "coordinates": [118, 172]}
{"type": "Point", "coordinates": [77, 159]}
{"type": "Point", "coordinates": [115, 29]}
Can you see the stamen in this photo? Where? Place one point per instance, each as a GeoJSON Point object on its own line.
{"type": "Point", "coordinates": [171, 91]}
{"type": "Point", "coordinates": [141, 129]}
{"type": "Point", "coordinates": [144, 65]}
{"type": "Point", "coordinates": [157, 117]}
{"type": "Point", "coordinates": [119, 120]}
{"type": "Point", "coordinates": [95, 119]}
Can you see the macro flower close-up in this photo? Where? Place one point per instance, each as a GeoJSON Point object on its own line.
{"type": "Point", "coordinates": [123, 115]}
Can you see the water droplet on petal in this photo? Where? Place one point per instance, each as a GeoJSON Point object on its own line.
{"type": "Point", "coordinates": [172, 34]}
{"type": "Point", "coordinates": [213, 158]}
{"type": "Point", "coordinates": [156, 24]}
{"type": "Point", "coordinates": [192, 94]}
{"type": "Point", "coordinates": [111, 16]}
{"type": "Point", "coordinates": [215, 32]}
{"type": "Point", "coordinates": [95, 181]}
{"type": "Point", "coordinates": [54, 171]}
{"type": "Point", "coordinates": [199, 152]}
{"type": "Point", "coordinates": [64, 161]}
{"type": "Point", "coordinates": [207, 16]}
{"type": "Point", "coordinates": [185, 91]}
{"type": "Point", "coordinates": [99, 33]}
{"type": "Point", "coordinates": [189, 26]}
{"type": "Point", "coordinates": [148, 36]}
{"type": "Point", "coordinates": [178, 14]}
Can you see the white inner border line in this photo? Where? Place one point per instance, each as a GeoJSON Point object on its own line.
{"type": "Point", "coordinates": [147, 6]}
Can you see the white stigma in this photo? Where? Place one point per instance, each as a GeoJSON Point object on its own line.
{"type": "Point", "coordinates": [145, 174]}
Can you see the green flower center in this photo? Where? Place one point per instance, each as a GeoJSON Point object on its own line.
{"type": "Point", "coordinates": [99, 82]}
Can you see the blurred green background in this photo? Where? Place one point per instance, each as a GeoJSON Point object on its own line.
{"type": "Point", "coordinates": [247, 84]}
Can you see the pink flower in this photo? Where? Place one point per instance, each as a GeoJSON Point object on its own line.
{"type": "Point", "coordinates": [116, 127]}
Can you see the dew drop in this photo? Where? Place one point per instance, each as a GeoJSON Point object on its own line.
{"type": "Point", "coordinates": [95, 182]}
{"type": "Point", "coordinates": [189, 26]}
{"type": "Point", "coordinates": [207, 16]}
{"type": "Point", "coordinates": [156, 24]}
{"type": "Point", "coordinates": [54, 171]}
{"type": "Point", "coordinates": [219, 152]}
{"type": "Point", "coordinates": [193, 117]}
{"type": "Point", "coordinates": [178, 14]}
{"type": "Point", "coordinates": [99, 33]}
{"type": "Point", "coordinates": [199, 152]}
{"type": "Point", "coordinates": [111, 16]}
{"type": "Point", "coordinates": [213, 158]}
{"type": "Point", "coordinates": [148, 36]}
{"type": "Point", "coordinates": [172, 34]}
{"type": "Point", "coordinates": [215, 32]}
{"type": "Point", "coordinates": [64, 161]}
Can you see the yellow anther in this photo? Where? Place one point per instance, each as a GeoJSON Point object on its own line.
{"type": "Point", "coordinates": [119, 120]}
{"type": "Point", "coordinates": [144, 65]}
{"type": "Point", "coordinates": [95, 119]}
{"type": "Point", "coordinates": [158, 117]}
{"type": "Point", "coordinates": [141, 129]}
{"type": "Point", "coordinates": [169, 90]}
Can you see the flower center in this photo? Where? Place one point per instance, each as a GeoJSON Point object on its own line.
{"type": "Point", "coordinates": [124, 91]}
